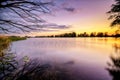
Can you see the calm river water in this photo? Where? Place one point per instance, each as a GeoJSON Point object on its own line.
{"type": "Point", "coordinates": [87, 58]}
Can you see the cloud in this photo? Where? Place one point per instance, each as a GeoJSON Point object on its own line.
{"type": "Point", "coordinates": [46, 30]}
{"type": "Point", "coordinates": [63, 26]}
{"type": "Point", "coordinates": [56, 26]}
{"type": "Point", "coordinates": [70, 9]}
{"type": "Point", "coordinates": [50, 27]}
{"type": "Point", "coordinates": [65, 5]}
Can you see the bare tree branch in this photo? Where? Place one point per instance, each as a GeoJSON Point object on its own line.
{"type": "Point", "coordinates": [25, 12]}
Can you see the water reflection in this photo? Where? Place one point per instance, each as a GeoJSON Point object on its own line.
{"type": "Point", "coordinates": [26, 69]}
{"type": "Point", "coordinates": [34, 70]}
{"type": "Point", "coordinates": [116, 48]}
{"type": "Point", "coordinates": [85, 57]}
{"type": "Point", "coordinates": [114, 66]}
{"type": "Point", "coordinates": [8, 64]}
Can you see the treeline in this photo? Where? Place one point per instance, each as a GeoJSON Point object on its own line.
{"type": "Point", "coordinates": [99, 34]}
{"type": "Point", "coordinates": [85, 34]}
{"type": "Point", "coordinates": [71, 34]}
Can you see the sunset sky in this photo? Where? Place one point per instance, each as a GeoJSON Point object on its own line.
{"type": "Point", "coordinates": [80, 16]}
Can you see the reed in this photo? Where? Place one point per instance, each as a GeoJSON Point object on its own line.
{"type": "Point", "coordinates": [4, 44]}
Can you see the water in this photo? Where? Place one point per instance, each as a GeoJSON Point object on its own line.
{"type": "Point", "coordinates": [87, 58]}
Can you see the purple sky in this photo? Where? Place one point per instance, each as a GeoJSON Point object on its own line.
{"type": "Point", "coordinates": [80, 15]}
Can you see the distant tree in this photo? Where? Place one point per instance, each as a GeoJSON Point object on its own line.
{"type": "Point", "coordinates": [106, 34]}
{"type": "Point", "coordinates": [80, 35]}
{"type": "Point", "coordinates": [85, 34]}
{"type": "Point", "coordinates": [117, 33]}
{"type": "Point", "coordinates": [22, 15]}
{"type": "Point", "coordinates": [115, 14]}
{"type": "Point", "coordinates": [92, 34]}
{"type": "Point", "coordinates": [73, 34]}
{"type": "Point", "coordinates": [100, 34]}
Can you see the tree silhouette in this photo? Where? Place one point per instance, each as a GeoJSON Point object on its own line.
{"type": "Point", "coordinates": [100, 34]}
{"type": "Point", "coordinates": [115, 14]}
{"type": "Point", "coordinates": [114, 65]}
{"type": "Point", "coordinates": [22, 15]}
{"type": "Point", "coordinates": [93, 34]}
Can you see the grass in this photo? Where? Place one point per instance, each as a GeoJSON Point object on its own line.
{"type": "Point", "coordinates": [16, 38]}
{"type": "Point", "coordinates": [4, 44]}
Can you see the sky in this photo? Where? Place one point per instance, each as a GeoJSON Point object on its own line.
{"type": "Point", "coordinates": [80, 16]}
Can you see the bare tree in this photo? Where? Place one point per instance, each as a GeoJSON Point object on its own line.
{"type": "Point", "coordinates": [115, 14]}
{"type": "Point", "coordinates": [22, 15]}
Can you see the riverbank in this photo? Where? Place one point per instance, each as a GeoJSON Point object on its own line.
{"type": "Point", "coordinates": [6, 40]}
{"type": "Point", "coordinates": [12, 38]}
{"type": "Point", "coordinates": [16, 38]}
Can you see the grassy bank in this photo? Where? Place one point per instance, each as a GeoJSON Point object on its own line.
{"type": "Point", "coordinates": [4, 44]}
{"type": "Point", "coordinates": [16, 38]}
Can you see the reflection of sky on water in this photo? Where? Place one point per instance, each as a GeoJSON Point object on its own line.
{"type": "Point", "coordinates": [89, 55]}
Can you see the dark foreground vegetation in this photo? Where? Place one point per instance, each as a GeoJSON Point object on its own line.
{"type": "Point", "coordinates": [85, 34]}
{"type": "Point", "coordinates": [114, 65]}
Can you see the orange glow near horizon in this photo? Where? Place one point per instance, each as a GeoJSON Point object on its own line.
{"type": "Point", "coordinates": [78, 31]}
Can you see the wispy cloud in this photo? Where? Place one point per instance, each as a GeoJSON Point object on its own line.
{"type": "Point", "coordinates": [56, 26]}
{"type": "Point", "coordinates": [51, 27]}
{"type": "Point", "coordinates": [65, 5]}
{"type": "Point", "coordinates": [69, 9]}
